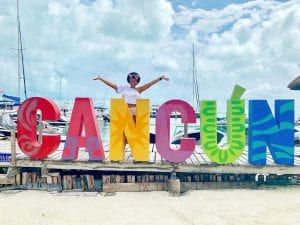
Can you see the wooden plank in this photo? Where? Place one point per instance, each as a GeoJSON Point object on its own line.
{"type": "Point", "coordinates": [196, 158]}
{"type": "Point", "coordinates": [190, 161]}
{"type": "Point", "coordinates": [185, 186]}
{"type": "Point", "coordinates": [83, 182]}
{"type": "Point", "coordinates": [195, 178]}
{"type": "Point", "coordinates": [74, 183]}
{"type": "Point", "coordinates": [13, 149]}
{"type": "Point", "coordinates": [24, 178]}
{"type": "Point", "coordinates": [206, 159]}
{"type": "Point", "coordinates": [247, 169]}
{"type": "Point", "coordinates": [90, 182]}
{"type": "Point", "coordinates": [18, 179]}
{"type": "Point", "coordinates": [134, 187]}
{"type": "Point", "coordinates": [49, 179]}
{"type": "Point", "coordinates": [244, 157]}
{"type": "Point", "coordinates": [69, 182]}
{"type": "Point", "coordinates": [130, 178]}
{"type": "Point", "coordinates": [5, 180]}
{"type": "Point", "coordinates": [33, 177]}
{"type": "Point", "coordinates": [201, 164]}
{"type": "Point", "coordinates": [166, 167]}
{"type": "Point", "coordinates": [151, 178]}
{"type": "Point", "coordinates": [201, 158]}
{"type": "Point", "coordinates": [55, 179]}
{"type": "Point", "coordinates": [106, 179]}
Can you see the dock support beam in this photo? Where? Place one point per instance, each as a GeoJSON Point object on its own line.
{"type": "Point", "coordinates": [13, 172]}
{"type": "Point", "coordinates": [174, 185]}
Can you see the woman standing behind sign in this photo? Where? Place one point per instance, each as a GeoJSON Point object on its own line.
{"type": "Point", "coordinates": [131, 93]}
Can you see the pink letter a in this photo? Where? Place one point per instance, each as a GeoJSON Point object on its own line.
{"type": "Point", "coordinates": [83, 116]}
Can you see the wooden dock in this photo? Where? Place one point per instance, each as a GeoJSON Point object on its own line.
{"type": "Point", "coordinates": [197, 163]}
{"type": "Point", "coordinates": [198, 172]}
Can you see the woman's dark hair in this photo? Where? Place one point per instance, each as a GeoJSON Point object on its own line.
{"type": "Point", "coordinates": [133, 75]}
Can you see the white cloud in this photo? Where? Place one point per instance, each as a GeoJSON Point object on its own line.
{"type": "Point", "coordinates": [254, 44]}
{"type": "Point", "coordinates": [259, 44]}
{"type": "Point", "coordinates": [83, 38]}
{"type": "Point", "coordinates": [57, 9]}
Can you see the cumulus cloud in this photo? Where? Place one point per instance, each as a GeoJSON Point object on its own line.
{"type": "Point", "coordinates": [84, 37]}
{"type": "Point", "coordinates": [254, 44]}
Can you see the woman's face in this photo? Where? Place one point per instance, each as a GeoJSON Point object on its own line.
{"type": "Point", "coordinates": [133, 80]}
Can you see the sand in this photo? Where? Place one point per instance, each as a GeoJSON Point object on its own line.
{"type": "Point", "coordinates": [267, 206]}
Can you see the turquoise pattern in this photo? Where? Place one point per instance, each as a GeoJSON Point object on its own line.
{"type": "Point", "coordinates": [275, 133]}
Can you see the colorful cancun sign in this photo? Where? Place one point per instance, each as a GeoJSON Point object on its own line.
{"type": "Point", "coordinates": [264, 131]}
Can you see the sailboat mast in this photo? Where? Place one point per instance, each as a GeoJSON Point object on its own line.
{"type": "Point", "coordinates": [19, 61]}
{"type": "Point", "coordinates": [196, 98]}
{"type": "Point", "coordinates": [60, 90]}
{"type": "Point", "coordinates": [20, 57]}
{"type": "Point", "coordinates": [194, 75]}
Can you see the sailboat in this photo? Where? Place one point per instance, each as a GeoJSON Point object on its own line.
{"type": "Point", "coordinates": [16, 100]}
{"type": "Point", "coordinates": [9, 103]}
{"type": "Point", "coordinates": [194, 132]}
{"type": "Point", "coordinates": [196, 98]}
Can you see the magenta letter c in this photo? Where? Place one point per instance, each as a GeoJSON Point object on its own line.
{"type": "Point", "coordinates": [162, 137]}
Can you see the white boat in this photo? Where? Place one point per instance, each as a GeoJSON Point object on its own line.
{"type": "Point", "coordinates": [194, 133]}
{"type": "Point", "coordinates": [153, 110]}
{"type": "Point", "coordinates": [297, 134]}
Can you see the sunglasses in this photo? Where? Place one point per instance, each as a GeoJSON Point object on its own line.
{"type": "Point", "coordinates": [136, 77]}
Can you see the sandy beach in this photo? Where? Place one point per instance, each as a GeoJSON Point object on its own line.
{"type": "Point", "coordinates": [263, 206]}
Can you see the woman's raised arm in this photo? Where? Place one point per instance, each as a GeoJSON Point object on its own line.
{"type": "Point", "coordinates": [108, 83]}
{"type": "Point", "coordinates": [146, 86]}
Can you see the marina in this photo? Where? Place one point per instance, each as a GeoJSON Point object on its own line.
{"type": "Point", "coordinates": [18, 169]}
{"type": "Point", "coordinates": [165, 112]}
{"type": "Point", "coordinates": [157, 174]}
{"type": "Point", "coordinates": [198, 172]}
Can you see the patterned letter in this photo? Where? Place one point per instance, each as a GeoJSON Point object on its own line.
{"type": "Point", "coordinates": [27, 122]}
{"type": "Point", "coordinates": [83, 116]}
{"type": "Point", "coordinates": [137, 135]}
{"type": "Point", "coordinates": [235, 126]}
{"type": "Point", "coordinates": [277, 134]}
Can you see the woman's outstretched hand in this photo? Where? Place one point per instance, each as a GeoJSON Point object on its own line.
{"type": "Point", "coordinates": [164, 77]}
{"type": "Point", "coordinates": [97, 78]}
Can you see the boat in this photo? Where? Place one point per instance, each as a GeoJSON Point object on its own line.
{"type": "Point", "coordinates": [194, 133]}
{"type": "Point", "coordinates": [191, 131]}
{"type": "Point", "coordinates": [102, 113]}
{"type": "Point", "coordinates": [8, 120]}
{"type": "Point", "coordinates": [153, 111]}
{"type": "Point", "coordinates": [9, 104]}
{"type": "Point", "coordinates": [297, 135]}
{"type": "Point", "coordinates": [61, 122]}
{"type": "Point", "coordinates": [4, 133]}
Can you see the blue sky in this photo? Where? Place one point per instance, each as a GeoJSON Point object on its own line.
{"type": "Point", "coordinates": [254, 44]}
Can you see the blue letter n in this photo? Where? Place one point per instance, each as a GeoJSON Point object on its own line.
{"type": "Point", "coordinates": [277, 134]}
